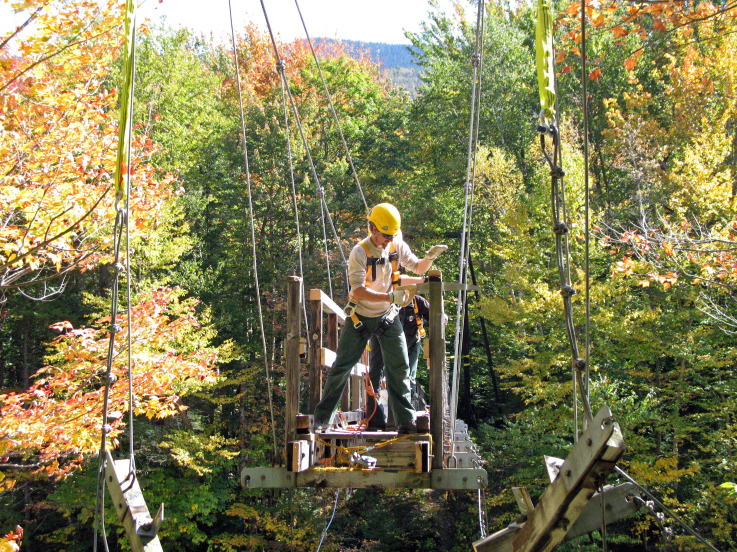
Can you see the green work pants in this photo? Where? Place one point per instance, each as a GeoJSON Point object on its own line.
{"type": "Point", "coordinates": [350, 348]}
{"type": "Point", "coordinates": [376, 372]}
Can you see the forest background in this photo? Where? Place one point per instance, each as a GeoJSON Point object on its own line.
{"type": "Point", "coordinates": [662, 150]}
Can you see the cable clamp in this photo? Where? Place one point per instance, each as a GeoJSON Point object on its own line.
{"type": "Point", "coordinates": [557, 172]}
{"type": "Point", "coordinates": [580, 364]}
{"type": "Point", "coordinates": [568, 291]}
{"type": "Point", "coordinates": [475, 59]}
{"type": "Point", "coordinates": [560, 228]}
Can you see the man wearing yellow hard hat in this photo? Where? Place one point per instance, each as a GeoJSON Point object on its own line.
{"type": "Point", "coordinates": [372, 309]}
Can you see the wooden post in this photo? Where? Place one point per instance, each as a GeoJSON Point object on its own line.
{"type": "Point", "coordinates": [315, 376]}
{"type": "Point", "coordinates": [291, 353]}
{"type": "Point", "coordinates": [438, 373]}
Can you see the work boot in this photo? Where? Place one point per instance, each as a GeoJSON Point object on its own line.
{"type": "Point", "coordinates": [319, 426]}
{"type": "Point", "coordinates": [407, 428]}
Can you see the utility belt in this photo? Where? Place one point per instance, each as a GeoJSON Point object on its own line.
{"type": "Point", "coordinates": [385, 324]}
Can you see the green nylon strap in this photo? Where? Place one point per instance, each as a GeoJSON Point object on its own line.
{"type": "Point", "coordinates": [126, 102]}
{"type": "Point", "coordinates": [545, 57]}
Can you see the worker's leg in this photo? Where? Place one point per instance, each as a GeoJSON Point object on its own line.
{"type": "Point", "coordinates": [396, 371]}
{"type": "Point", "coordinates": [374, 410]}
{"type": "Point", "coordinates": [350, 348]}
{"type": "Point", "coordinates": [413, 354]}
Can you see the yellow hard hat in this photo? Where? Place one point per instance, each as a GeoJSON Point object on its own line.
{"type": "Point", "coordinates": [386, 218]}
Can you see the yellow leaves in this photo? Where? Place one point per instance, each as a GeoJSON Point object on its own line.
{"type": "Point", "coordinates": [668, 248]}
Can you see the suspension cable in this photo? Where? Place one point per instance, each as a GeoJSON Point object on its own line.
{"type": "Point", "coordinates": [663, 507]}
{"type": "Point", "coordinates": [547, 126]}
{"type": "Point", "coordinates": [473, 139]}
{"type": "Point", "coordinates": [123, 189]}
{"type": "Point", "coordinates": [253, 230]}
{"type": "Point", "coordinates": [280, 68]}
{"type": "Point", "coordinates": [587, 223]}
{"type": "Point", "coordinates": [306, 145]}
{"type": "Point", "coordinates": [332, 108]}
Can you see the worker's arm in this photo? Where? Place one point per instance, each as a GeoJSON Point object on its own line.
{"type": "Point", "coordinates": [424, 264]}
{"type": "Point", "coordinates": [364, 293]}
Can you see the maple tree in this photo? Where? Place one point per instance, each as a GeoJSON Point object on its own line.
{"type": "Point", "coordinates": [57, 148]}
{"type": "Point", "coordinates": [57, 421]}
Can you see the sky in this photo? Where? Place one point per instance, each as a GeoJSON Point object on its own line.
{"type": "Point", "coordinates": [364, 20]}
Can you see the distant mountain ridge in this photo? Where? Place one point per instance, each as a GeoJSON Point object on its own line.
{"type": "Point", "coordinates": [395, 59]}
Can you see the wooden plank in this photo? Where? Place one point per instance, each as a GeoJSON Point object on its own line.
{"type": "Point", "coordinates": [524, 502]}
{"type": "Point", "coordinates": [130, 505]}
{"type": "Point", "coordinates": [590, 460]}
{"type": "Point", "coordinates": [438, 372]}
{"type": "Point", "coordinates": [291, 354]}
{"type": "Point", "coordinates": [327, 304]}
{"type": "Point", "coordinates": [299, 455]}
{"type": "Point", "coordinates": [618, 504]}
{"type": "Point", "coordinates": [327, 358]}
{"type": "Point", "coordinates": [281, 478]}
{"type": "Point", "coordinates": [501, 541]}
{"type": "Point", "coordinates": [316, 340]}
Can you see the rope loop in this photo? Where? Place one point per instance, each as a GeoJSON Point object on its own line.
{"type": "Point", "coordinates": [280, 66]}
{"type": "Point", "coordinates": [320, 192]}
{"type": "Point", "coordinates": [560, 228]}
{"type": "Point", "coordinates": [115, 328]}
{"type": "Point", "coordinates": [475, 59]}
{"type": "Point", "coordinates": [567, 291]}
{"type": "Point", "coordinates": [579, 364]}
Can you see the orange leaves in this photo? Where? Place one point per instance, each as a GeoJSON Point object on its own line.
{"type": "Point", "coordinates": [618, 31]}
{"type": "Point", "coordinates": [60, 416]}
{"type": "Point", "coordinates": [630, 63]}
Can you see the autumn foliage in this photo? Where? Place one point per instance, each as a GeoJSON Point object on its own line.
{"type": "Point", "coordinates": [56, 422]}
{"type": "Point", "coordinates": [58, 145]}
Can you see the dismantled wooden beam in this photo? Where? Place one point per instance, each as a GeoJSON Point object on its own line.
{"type": "Point", "coordinates": [140, 527]}
{"type": "Point", "coordinates": [592, 458]}
{"type": "Point", "coordinates": [446, 479]}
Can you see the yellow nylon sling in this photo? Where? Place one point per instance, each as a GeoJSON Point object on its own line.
{"type": "Point", "coordinates": [545, 61]}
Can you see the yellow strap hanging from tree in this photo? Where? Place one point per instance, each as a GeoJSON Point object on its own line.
{"type": "Point", "coordinates": [126, 102]}
{"type": "Point", "coordinates": [545, 57]}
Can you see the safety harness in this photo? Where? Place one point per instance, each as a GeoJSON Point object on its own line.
{"type": "Point", "coordinates": [397, 271]}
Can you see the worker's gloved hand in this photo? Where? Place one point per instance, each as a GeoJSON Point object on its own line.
{"type": "Point", "coordinates": [434, 251]}
{"type": "Point", "coordinates": [399, 297]}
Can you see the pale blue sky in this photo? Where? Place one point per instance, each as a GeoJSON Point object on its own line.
{"type": "Point", "coordinates": [366, 20]}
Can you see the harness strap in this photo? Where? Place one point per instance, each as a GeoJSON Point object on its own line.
{"type": "Point", "coordinates": [350, 308]}
{"type": "Point", "coordinates": [420, 328]}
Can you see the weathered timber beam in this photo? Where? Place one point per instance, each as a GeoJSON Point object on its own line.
{"type": "Point", "coordinates": [131, 507]}
{"type": "Point", "coordinates": [280, 478]}
{"type": "Point", "coordinates": [327, 304]}
{"type": "Point", "coordinates": [592, 458]}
